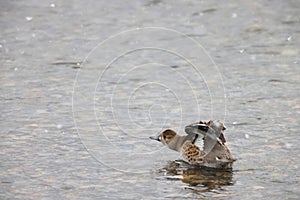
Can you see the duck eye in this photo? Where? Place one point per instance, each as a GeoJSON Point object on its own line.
{"type": "Point", "coordinates": [165, 137]}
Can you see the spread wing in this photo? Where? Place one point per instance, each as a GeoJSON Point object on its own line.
{"type": "Point", "coordinates": [210, 136]}
{"type": "Point", "coordinates": [215, 153]}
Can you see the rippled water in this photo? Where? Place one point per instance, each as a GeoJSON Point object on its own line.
{"type": "Point", "coordinates": [84, 85]}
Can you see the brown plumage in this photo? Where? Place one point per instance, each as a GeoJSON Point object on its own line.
{"type": "Point", "coordinates": [214, 153]}
{"type": "Point", "coordinates": [192, 153]}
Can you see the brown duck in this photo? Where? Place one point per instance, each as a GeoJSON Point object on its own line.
{"type": "Point", "coordinates": [214, 154]}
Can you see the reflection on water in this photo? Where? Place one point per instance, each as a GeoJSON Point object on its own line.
{"type": "Point", "coordinates": [198, 179]}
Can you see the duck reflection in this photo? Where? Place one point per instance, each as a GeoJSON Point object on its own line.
{"type": "Point", "coordinates": [206, 178]}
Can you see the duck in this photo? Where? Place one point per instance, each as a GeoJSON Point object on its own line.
{"type": "Point", "coordinates": [213, 154]}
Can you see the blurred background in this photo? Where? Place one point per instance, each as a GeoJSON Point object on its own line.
{"type": "Point", "coordinates": [85, 83]}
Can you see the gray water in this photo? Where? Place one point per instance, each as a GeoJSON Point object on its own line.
{"type": "Point", "coordinates": [85, 83]}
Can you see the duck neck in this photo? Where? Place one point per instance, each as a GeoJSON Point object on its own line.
{"type": "Point", "coordinates": [177, 142]}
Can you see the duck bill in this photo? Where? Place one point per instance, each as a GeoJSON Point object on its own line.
{"type": "Point", "coordinates": [154, 138]}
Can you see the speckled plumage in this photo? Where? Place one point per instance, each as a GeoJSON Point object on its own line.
{"type": "Point", "coordinates": [214, 152]}
{"type": "Point", "coordinates": [192, 153]}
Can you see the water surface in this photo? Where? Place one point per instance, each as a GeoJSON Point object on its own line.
{"type": "Point", "coordinates": [76, 117]}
